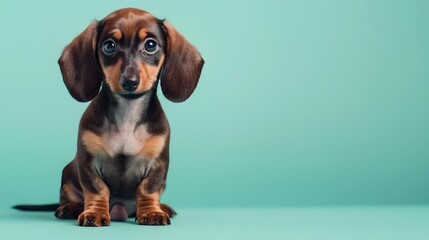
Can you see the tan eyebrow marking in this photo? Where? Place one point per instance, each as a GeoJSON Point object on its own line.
{"type": "Point", "coordinates": [142, 33]}
{"type": "Point", "coordinates": [116, 34]}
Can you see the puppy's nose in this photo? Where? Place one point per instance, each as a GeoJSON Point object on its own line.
{"type": "Point", "coordinates": [129, 85]}
{"type": "Point", "coordinates": [129, 80]}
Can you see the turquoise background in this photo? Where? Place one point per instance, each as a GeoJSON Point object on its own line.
{"type": "Point", "coordinates": [300, 103]}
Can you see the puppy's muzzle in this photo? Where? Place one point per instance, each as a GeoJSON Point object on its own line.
{"type": "Point", "coordinates": [129, 79]}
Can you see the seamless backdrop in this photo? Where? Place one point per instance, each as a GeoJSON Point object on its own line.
{"type": "Point", "coordinates": [300, 102]}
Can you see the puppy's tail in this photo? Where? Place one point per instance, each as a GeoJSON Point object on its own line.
{"type": "Point", "coordinates": [44, 207]}
{"type": "Point", "coordinates": [167, 209]}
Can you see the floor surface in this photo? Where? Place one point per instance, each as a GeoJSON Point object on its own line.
{"type": "Point", "coordinates": [270, 223]}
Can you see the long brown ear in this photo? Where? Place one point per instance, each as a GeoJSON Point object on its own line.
{"type": "Point", "coordinates": [182, 67]}
{"type": "Point", "coordinates": [81, 72]}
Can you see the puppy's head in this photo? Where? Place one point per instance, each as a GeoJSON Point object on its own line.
{"type": "Point", "coordinates": [129, 50]}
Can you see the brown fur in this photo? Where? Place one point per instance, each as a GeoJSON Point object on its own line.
{"type": "Point", "coordinates": [112, 75]}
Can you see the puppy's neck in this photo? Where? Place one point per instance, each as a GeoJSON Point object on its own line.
{"type": "Point", "coordinates": [131, 110]}
{"type": "Point", "coordinates": [127, 112]}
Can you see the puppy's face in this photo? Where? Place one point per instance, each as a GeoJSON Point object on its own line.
{"type": "Point", "coordinates": [130, 49]}
{"type": "Point", "coordinates": [127, 50]}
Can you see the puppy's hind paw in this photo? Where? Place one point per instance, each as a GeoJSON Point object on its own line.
{"type": "Point", "coordinates": [153, 218]}
{"type": "Point", "coordinates": [69, 211]}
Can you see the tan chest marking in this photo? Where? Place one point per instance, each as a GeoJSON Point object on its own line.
{"type": "Point", "coordinates": [147, 146]}
{"type": "Point", "coordinates": [95, 144]}
{"type": "Point", "coordinates": [126, 136]}
{"type": "Point", "coordinates": [153, 147]}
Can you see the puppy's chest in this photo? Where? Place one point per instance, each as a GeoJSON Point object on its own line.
{"type": "Point", "coordinates": [124, 166]}
{"type": "Point", "coordinates": [125, 134]}
{"type": "Point", "coordinates": [125, 139]}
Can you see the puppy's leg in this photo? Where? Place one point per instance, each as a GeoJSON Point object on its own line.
{"type": "Point", "coordinates": [71, 199]}
{"type": "Point", "coordinates": [149, 208]}
{"type": "Point", "coordinates": [95, 191]}
{"type": "Point", "coordinates": [96, 210]}
{"type": "Point", "coordinates": [149, 211]}
{"type": "Point", "coordinates": [96, 197]}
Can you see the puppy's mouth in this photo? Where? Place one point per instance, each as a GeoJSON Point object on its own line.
{"type": "Point", "coordinates": [135, 95]}
{"type": "Point", "coordinates": [132, 96]}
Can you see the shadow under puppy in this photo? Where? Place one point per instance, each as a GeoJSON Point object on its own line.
{"type": "Point", "coordinates": [122, 158]}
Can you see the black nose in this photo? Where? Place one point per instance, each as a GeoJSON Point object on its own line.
{"type": "Point", "coordinates": [129, 85]}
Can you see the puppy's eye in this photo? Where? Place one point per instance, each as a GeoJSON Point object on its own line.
{"type": "Point", "coordinates": [109, 46]}
{"type": "Point", "coordinates": [150, 46]}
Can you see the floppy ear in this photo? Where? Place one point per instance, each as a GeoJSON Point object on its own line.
{"type": "Point", "coordinates": [182, 67]}
{"type": "Point", "coordinates": [79, 66]}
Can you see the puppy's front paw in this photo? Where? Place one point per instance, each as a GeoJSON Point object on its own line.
{"type": "Point", "coordinates": [153, 218]}
{"type": "Point", "coordinates": [92, 218]}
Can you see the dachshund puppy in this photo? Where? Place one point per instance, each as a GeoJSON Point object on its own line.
{"type": "Point", "coordinates": [122, 158]}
